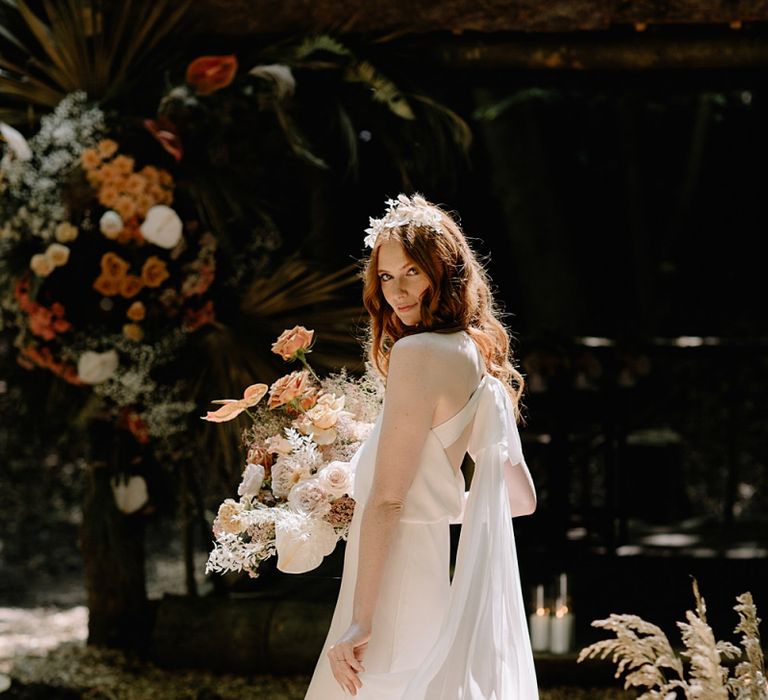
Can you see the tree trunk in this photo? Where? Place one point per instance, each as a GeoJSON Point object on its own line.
{"type": "Point", "coordinates": [112, 544]}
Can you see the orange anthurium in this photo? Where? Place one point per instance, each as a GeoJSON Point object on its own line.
{"type": "Point", "coordinates": [165, 132]}
{"type": "Point", "coordinates": [234, 407]}
{"type": "Point", "coordinates": [210, 73]}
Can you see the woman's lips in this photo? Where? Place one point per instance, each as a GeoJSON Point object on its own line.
{"type": "Point", "coordinates": [405, 308]}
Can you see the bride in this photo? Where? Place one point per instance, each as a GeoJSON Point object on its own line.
{"type": "Point", "coordinates": [402, 628]}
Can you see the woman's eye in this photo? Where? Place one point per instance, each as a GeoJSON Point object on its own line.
{"type": "Point", "coordinates": [414, 270]}
{"type": "Point", "coordinates": [381, 277]}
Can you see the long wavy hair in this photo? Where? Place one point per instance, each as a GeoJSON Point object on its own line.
{"type": "Point", "coordinates": [459, 297]}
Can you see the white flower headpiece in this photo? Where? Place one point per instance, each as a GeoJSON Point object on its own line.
{"type": "Point", "coordinates": [401, 212]}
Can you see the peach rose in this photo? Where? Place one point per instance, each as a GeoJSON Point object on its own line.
{"type": "Point", "coordinates": [136, 311]}
{"type": "Point", "coordinates": [154, 271]}
{"type": "Point", "coordinates": [108, 195]}
{"type": "Point", "coordinates": [291, 342]}
{"type": "Point", "coordinates": [336, 478]}
{"type": "Point", "coordinates": [325, 412]}
{"type": "Point", "coordinates": [310, 497]}
{"type": "Point", "coordinates": [286, 389]}
{"type": "Point", "coordinates": [41, 265]}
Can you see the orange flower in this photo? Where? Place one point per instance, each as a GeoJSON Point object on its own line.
{"type": "Point", "coordinates": [164, 131]}
{"type": "Point", "coordinates": [94, 177]}
{"type": "Point", "coordinates": [90, 158]}
{"type": "Point", "coordinates": [135, 184]}
{"type": "Point", "coordinates": [154, 272]}
{"type": "Point", "coordinates": [136, 311]}
{"type": "Point", "coordinates": [109, 172]}
{"type": "Point", "coordinates": [130, 286]}
{"type": "Point", "coordinates": [133, 331]}
{"type": "Point", "coordinates": [107, 147]}
{"type": "Point", "coordinates": [150, 173]}
{"type": "Point", "coordinates": [143, 204]}
{"type": "Point", "coordinates": [108, 195]}
{"type": "Point", "coordinates": [210, 73]}
{"type": "Point", "coordinates": [165, 178]}
{"type": "Point", "coordinates": [106, 285]}
{"type": "Point", "coordinates": [125, 206]}
{"type": "Point", "coordinates": [112, 265]}
{"type": "Point", "coordinates": [123, 164]}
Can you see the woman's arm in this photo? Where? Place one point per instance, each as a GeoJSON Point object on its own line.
{"type": "Point", "coordinates": [409, 406]}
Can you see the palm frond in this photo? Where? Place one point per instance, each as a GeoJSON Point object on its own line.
{"type": "Point", "coordinates": [97, 47]}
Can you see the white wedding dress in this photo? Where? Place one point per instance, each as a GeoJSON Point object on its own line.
{"type": "Point", "coordinates": [432, 638]}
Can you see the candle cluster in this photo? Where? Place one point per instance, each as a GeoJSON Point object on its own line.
{"type": "Point", "coordinates": [551, 619]}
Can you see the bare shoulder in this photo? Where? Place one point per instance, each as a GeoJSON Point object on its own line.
{"type": "Point", "coordinates": [435, 355]}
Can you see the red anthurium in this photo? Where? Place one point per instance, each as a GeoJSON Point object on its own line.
{"type": "Point", "coordinates": [165, 132]}
{"type": "Point", "coordinates": [210, 73]}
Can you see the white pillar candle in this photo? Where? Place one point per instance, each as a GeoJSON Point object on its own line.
{"type": "Point", "coordinates": [561, 631]}
{"type": "Point", "coordinates": [539, 622]}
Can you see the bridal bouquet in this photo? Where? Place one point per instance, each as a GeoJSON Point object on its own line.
{"type": "Point", "coordinates": [295, 497]}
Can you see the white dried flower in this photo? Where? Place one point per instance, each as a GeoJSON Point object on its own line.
{"type": "Point", "coordinates": [97, 367]}
{"type": "Point", "coordinates": [401, 212]}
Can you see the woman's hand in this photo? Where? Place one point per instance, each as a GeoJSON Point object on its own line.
{"type": "Point", "coordinates": [345, 656]}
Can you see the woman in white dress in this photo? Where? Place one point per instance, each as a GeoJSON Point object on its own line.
{"type": "Point", "coordinates": [402, 628]}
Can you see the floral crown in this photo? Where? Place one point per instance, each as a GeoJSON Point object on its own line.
{"type": "Point", "coordinates": [404, 211]}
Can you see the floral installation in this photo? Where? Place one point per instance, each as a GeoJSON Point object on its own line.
{"type": "Point", "coordinates": [101, 276]}
{"type": "Point", "coordinates": [644, 651]}
{"type": "Point", "coordinates": [295, 495]}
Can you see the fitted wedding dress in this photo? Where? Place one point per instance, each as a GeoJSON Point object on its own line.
{"type": "Point", "coordinates": [433, 638]}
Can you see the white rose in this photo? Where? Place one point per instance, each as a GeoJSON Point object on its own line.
{"type": "Point", "coordinates": [111, 224]}
{"type": "Point", "coordinates": [309, 497]}
{"type": "Point", "coordinates": [16, 142]}
{"type": "Point", "coordinates": [97, 367]}
{"type": "Point", "coordinates": [162, 226]}
{"type": "Point", "coordinates": [336, 478]}
{"type": "Point", "coordinates": [129, 494]}
{"type": "Point", "coordinates": [253, 478]}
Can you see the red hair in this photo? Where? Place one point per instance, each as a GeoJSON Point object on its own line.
{"type": "Point", "coordinates": [458, 298]}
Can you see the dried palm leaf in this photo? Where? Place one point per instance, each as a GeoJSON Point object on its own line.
{"type": "Point", "coordinates": [234, 356]}
{"type": "Point", "coordinates": [93, 45]}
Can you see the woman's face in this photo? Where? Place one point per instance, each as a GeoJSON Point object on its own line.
{"type": "Point", "coordinates": [402, 281]}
